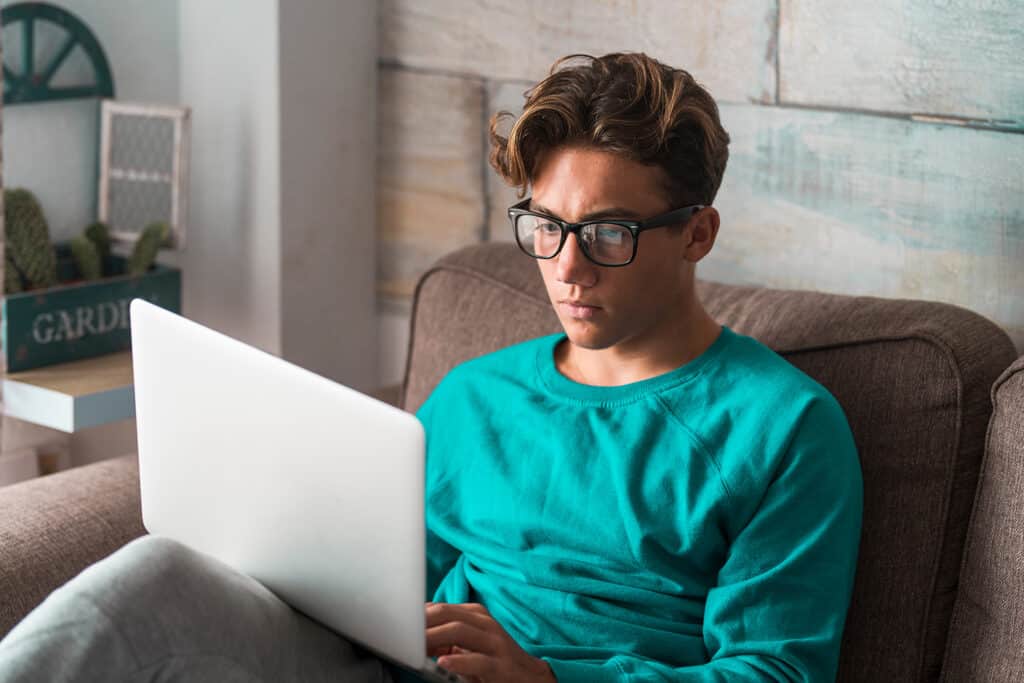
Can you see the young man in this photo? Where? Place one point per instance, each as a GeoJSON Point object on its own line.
{"type": "Point", "coordinates": [648, 496]}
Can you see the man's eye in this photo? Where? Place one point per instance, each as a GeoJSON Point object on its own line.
{"type": "Point", "coordinates": [548, 229]}
{"type": "Point", "coordinates": [610, 235]}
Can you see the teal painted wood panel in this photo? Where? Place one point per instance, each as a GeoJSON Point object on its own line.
{"type": "Point", "coordinates": [962, 59]}
{"type": "Point", "coordinates": [860, 204]}
{"type": "Point", "coordinates": [73, 321]}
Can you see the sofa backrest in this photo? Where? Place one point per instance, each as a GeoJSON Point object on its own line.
{"type": "Point", "coordinates": [986, 639]}
{"type": "Point", "coordinates": [912, 376]}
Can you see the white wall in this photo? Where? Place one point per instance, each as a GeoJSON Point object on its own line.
{"type": "Point", "coordinates": [281, 240]}
{"type": "Point", "coordinates": [328, 86]}
{"type": "Point", "coordinates": [51, 148]}
{"type": "Point", "coordinates": [282, 228]}
{"type": "Point", "coordinates": [282, 237]}
{"type": "Point", "coordinates": [229, 77]}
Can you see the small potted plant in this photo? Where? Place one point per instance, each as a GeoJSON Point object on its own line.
{"type": "Point", "coordinates": [69, 301]}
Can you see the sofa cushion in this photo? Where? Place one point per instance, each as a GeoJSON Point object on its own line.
{"type": "Point", "coordinates": [912, 376]}
{"type": "Point", "coordinates": [55, 526]}
{"type": "Point", "coordinates": [985, 641]}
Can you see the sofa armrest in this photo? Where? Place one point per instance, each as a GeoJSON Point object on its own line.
{"type": "Point", "coordinates": [53, 527]}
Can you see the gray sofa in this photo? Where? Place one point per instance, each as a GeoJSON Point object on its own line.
{"type": "Point", "coordinates": [939, 593]}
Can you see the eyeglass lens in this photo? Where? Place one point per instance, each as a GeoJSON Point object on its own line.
{"type": "Point", "coordinates": [605, 243]}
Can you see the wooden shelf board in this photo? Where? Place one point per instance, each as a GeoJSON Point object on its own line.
{"type": "Point", "coordinates": [73, 396]}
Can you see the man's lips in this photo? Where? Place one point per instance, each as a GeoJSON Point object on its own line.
{"type": "Point", "coordinates": [578, 309]}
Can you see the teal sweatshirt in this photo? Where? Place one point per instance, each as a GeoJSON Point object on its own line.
{"type": "Point", "coordinates": [701, 525]}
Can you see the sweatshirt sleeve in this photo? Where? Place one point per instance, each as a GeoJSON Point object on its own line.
{"type": "Point", "coordinates": [779, 605]}
{"type": "Point", "coordinates": [441, 556]}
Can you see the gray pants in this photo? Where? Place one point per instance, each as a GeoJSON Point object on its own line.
{"type": "Point", "coordinates": [158, 611]}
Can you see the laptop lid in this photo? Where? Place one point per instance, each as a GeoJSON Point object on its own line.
{"type": "Point", "coordinates": [312, 488]}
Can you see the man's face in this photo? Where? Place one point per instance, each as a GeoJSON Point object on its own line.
{"type": "Point", "coordinates": [602, 307]}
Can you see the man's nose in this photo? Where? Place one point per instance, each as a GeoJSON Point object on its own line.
{"type": "Point", "coordinates": [573, 267]}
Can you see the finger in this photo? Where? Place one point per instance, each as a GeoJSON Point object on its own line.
{"type": "Point", "coordinates": [473, 665]}
{"type": "Point", "coordinates": [442, 613]}
{"type": "Point", "coordinates": [441, 639]}
{"type": "Point", "coordinates": [467, 636]}
{"type": "Point", "coordinates": [453, 650]}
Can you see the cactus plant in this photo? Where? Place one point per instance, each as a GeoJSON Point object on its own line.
{"type": "Point", "coordinates": [28, 239]}
{"type": "Point", "coordinates": [12, 278]}
{"type": "Point", "coordinates": [144, 253]}
{"type": "Point", "coordinates": [99, 235]}
{"type": "Point", "coordinates": [87, 257]}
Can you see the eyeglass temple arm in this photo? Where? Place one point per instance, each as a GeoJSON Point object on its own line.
{"type": "Point", "coordinates": [682, 214]}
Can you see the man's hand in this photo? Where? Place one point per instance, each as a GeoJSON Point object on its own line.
{"type": "Point", "coordinates": [469, 642]}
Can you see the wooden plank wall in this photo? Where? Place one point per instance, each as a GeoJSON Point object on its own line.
{"type": "Point", "coordinates": [877, 147]}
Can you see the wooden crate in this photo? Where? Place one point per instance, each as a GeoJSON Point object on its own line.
{"type": "Point", "coordinates": [78, 319]}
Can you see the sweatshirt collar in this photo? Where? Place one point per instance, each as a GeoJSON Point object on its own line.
{"type": "Point", "coordinates": [559, 384]}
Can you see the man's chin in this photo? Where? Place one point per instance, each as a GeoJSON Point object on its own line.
{"type": "Point", "coordinates": [585, 335]}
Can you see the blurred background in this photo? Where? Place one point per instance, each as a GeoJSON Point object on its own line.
{"type": "Point", "coordinates": [339, 148]}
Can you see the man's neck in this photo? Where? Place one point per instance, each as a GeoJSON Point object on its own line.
{"type": "Point", "coordinates": [661, 350]}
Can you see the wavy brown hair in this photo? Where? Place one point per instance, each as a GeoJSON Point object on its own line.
{"type": "Point", "coordinates": [625, 103]}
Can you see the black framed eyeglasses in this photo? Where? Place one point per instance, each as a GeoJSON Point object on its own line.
{"type": "Point", "coordinates": [609, 242]}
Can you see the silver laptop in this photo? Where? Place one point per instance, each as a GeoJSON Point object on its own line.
{"type": "Point", "coordinates": [311, 488]}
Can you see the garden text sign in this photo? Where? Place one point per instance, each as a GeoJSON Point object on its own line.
{"type": "Point", "coordinates": [61, 325]}
{"type": "Point", "coordinates": [80, 320]}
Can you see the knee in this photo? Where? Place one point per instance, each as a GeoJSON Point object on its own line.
{"type": "Point", "coordinates": [159, 554]}
{"type": "Point", "coordinates": [139, 566]}
{"type": "Point", "coordinates": [129, 582]}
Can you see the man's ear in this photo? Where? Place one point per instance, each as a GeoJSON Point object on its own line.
{"type": "Point", "coordinates": [703, 231]}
